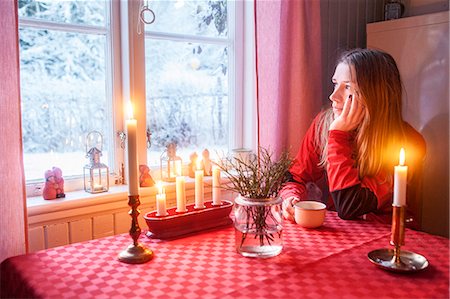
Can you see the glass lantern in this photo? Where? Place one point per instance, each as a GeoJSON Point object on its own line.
{"type": "Point", "coordinates": [170, 163]}
{"type": "Point", "coordinates": [95, 173]}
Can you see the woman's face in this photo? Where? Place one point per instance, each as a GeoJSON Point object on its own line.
{"type": "Point", "coordinates": [344, 86]}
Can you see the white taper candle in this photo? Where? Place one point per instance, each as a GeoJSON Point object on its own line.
{"type": "Point", "coordinates": [400, 181]}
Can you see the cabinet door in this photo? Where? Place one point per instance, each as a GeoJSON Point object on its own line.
{"type": "Point", "coordinates": [36, 239]}
{"type": "Point", "coordinates": [80, 230]}
{"type": "Point", "coordinates": [57, 234]}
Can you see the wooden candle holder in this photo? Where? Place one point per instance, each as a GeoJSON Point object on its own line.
{"type": "Point", "coordinates": [176, 224]}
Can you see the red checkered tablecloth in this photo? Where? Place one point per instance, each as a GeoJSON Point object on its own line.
{"type": "Point", "coordinates": [329, 262]}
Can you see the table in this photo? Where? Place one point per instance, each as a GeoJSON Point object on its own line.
{"type": "Point", "coordinates": [329, 262]}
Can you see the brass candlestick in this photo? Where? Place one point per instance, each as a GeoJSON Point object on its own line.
{"type": "Point", "coordinates": [398, 260]}
{"type": "Point", "coordinates": [397, 232]}
{"type": "Point", "coordinates": [135, 253]}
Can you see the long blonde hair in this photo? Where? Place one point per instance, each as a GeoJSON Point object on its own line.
{"type": "Point", "coordinates": [382, 130]}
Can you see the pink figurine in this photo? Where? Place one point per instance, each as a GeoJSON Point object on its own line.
{"type": "Point", "coordinates": [145, 179]}
{"type": "Point", "coordinates": [59, 180]}
{"type": "Point", "coordinates": [50, 185]}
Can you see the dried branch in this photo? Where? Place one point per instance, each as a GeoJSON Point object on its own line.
{"type": "Point", "coordinates": [257, 177]}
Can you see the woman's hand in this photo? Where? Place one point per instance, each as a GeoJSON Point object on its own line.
{"type": "Point", "coordinates": [352, 115]}
{"type": "Point", "coordinates": [288, 207]}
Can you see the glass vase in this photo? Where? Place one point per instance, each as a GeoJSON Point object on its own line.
{"type": "Point", "coordinates": [258, 226]}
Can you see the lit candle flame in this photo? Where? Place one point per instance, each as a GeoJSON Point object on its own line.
{"type": "Point", "coordinates": [402, 157]}
{"type": "Point", "coordinates": [130, 110]}
{"type": "Point", "coordinates": [159, 185]}
{"type": "Point", "coordinates": [199, 164]}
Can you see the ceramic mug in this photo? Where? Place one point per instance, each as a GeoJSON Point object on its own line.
{"type": "Point", "coordinates": [309, 214]}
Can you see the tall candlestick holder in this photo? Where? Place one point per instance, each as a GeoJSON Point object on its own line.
{"type": "Point", "coordinates": [398, 260]}
{"type": "Point", "coordinates": [135, 253]}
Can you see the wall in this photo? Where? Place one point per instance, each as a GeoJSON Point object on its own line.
{"type": "Point", "coordinates": [344, 27]}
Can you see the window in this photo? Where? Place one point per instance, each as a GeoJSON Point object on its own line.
{"type": "Point", "coordinates": [71, 59]}
{"type": "Point", "coordinates": [65, 73]}
{"type": "Point", "coordinates": [189, 58]}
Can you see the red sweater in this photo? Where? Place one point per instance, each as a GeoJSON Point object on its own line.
{"type": "Point", "coordinates": [342, 188]}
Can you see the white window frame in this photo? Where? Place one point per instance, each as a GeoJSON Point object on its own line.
{"type": "Point", "coordinates": [113, 86]}
{"type": "Point", "coordinates": [125, 48]}
{"type": "Point", "coordinates": [241, 63]}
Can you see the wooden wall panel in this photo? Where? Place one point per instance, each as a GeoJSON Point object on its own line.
{"type": "Point", "coordinates": [36, 239]}
{"type": "Point", "coordinates": [56, 234]}
{"type": "Point", "coordinates": [80, 230]}
{"type": "Point", "coordinates": [122, 223]}
{"type": "Point", "coordinates": [103, 226]}
{"type": "Point", "coordinates": [343, 27]}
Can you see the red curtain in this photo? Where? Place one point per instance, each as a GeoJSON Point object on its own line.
{"type": "Point", "coordinates": [12, 190]}
{"type": "Point", "coordinates": [288, 48]}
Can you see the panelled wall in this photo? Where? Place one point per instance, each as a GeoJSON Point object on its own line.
{"type": "Point", "coordinates": [344, 27]}
{"type": "Point", "coordinates": [344, 22]}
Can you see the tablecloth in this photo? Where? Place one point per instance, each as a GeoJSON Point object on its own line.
{"type": "Point", "coordinates": [328, 262]}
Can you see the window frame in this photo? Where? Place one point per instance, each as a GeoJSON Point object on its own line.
{"type": "Point", "coordinates": [126, 80]}
{"type": "Point", "coordinates": [240, 88]}
{"type": "Point", "coordinates": [110, 30]}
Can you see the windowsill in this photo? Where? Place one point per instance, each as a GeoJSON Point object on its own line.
{"type": "Point", "coordinates": [80, 199]}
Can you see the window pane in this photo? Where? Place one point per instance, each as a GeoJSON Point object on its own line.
{"type": "Point", "coordinates": [187, 97]}
{"type": "Point", "coordinates": [75, 12]}
{"type": "Point", "coordinates": [193, 17]}
{"type": "Point", "coordinates": [63, 95]}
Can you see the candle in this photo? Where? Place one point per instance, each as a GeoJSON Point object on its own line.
{"type": "Point", "coordinates": [199, 186]}
{"type": "Point", "coordinates": [400, 175]}
{"type": "Point", "coordinates": [181, 194]}
{"type": "Point", "coordinates": [178, 168]}
{"type": "Point", "coordinates": [133, 181]}
{"type": "Point", "coordinates": [160, 201]}
{"type": "Point", "coordinates": [216, 185]}
{"type": "Point", "coordinates": [98, 187]}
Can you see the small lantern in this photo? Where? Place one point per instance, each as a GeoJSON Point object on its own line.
{"type": "Point", "coordinates": [171, 164]}
{"type": "Point", "coordinates": [96, 174]}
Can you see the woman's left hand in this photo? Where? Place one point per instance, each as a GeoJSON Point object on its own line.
{"type": "Point", "coordinates": [352, 114]}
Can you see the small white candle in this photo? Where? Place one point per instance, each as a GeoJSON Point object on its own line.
{"type": "Point", "coordinates": [400, 176]}
{"type": "Point", "coordinates": [160, 201]}
{"type": "Point", "coordinates": [181, 194]}
{"type": "Point", "coordinates": [178, 168]}
{"type": "Point", "coordinates": [216, 186]}
{"type": "Point", "coordinates": [199, 186]}
{"type": "Point", "coordinates": [97, 187]}
{"type": "Point", "coordinates": [133, 181]}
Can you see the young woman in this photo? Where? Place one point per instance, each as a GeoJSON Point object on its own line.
{"type": "Point", "coordinates": [347, 156]}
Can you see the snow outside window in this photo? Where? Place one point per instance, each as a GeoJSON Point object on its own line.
{"type": "Point", "coordinates": [65, 83]}
{"type": "Point", "coordinates": [189, 61]}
